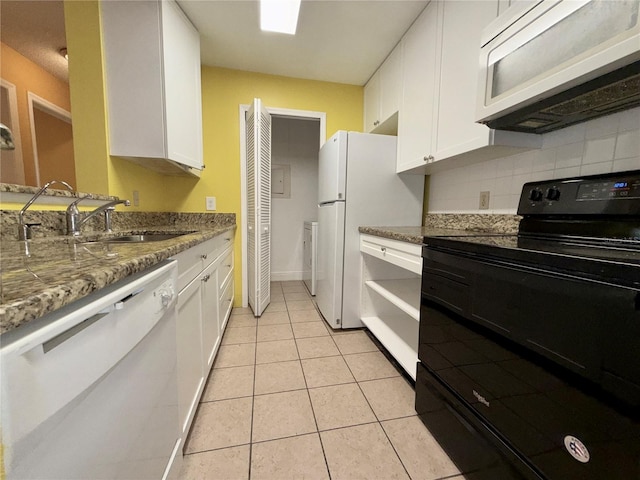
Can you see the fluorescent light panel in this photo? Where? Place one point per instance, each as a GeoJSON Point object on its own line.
{"type": "Point", "coordinates": [279, 15]}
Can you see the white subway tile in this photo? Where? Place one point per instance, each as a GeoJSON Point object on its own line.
{"type": "Point", "coordinates": [627, 145]}
{"type": "Point", "coordinates": [596, 168]}
{"type": "Point", "coordinates": [569, 155]}
{"type": "Point", "coordinates": [502, 186]}
{"type": "Point", "coordinates": [629, 120]}
{"type": "Point", "coordinates": [504, 167]}
{"type": "Point", "coordinates": [544, 160]}
{"type": "Point", "coordinates": [517, 182]}
{"type": "Point", "coordinates": [566, 172]}
{"type": "Point", "coordinates": [572, 134]}
{"type": "Point", "coordinates": [599, 150]}
{"type": "Point", "coordinates": [523, 163]}
{"type": "Point", "coordinates": [601, 127]}
{"type": "Point", "coordinates": [626, 164]}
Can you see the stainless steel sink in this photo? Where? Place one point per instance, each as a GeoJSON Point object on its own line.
{"type": "Point", "coordinates": [141, 238]}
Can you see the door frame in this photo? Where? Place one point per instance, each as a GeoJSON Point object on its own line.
{"type": "Point", "coordinates": [12, 98]}
{"type": "Point", "coordinates": [36, 102]}
{"type": "Point", "coordinates": [276, 112]}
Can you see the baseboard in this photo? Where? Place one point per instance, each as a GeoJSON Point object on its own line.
{"type": "Point", "coordinates": [286, 276]}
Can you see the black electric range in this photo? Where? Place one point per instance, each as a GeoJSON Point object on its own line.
{"type": "Point", "coordinates": [534, 339]}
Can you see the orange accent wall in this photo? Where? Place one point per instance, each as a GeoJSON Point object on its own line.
{"type": "Point", "coordinates": [55, 148]}
{"type": "Point", "coordinates": [29, 77]}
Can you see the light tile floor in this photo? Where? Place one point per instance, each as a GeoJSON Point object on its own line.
{"type": "Point", "coordinates": [290, 398]}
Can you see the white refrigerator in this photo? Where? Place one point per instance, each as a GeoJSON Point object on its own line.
{"type": "Point", "coordinates": [358, 186]}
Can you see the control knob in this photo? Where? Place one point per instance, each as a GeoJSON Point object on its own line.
{"type": "Point", "coordinates": [553, 194]}
{"type": "Point", "coordinates": [535, 195]}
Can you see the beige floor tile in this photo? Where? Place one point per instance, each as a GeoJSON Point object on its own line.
{"type": "Point", "coordinates": [390, 397]}
{"type": "Point", "coordinates": [420, 453]}
{"type": "Point", "coordinates": [279, 377]}
{"type": "Point", "coordinates": [340, 406]}
{"type": "Point", "coordinates": [239, 335]}
{"type": "Point", "coordinates": [296, 296]}
{"type": "Point", "coordinates": [241, 311]}
{"type": "Point", "coordinates": [275, 307]}
{"type": "Point", "coordinates": [242, 321]}
{"type": "Point", "coordinates": [235, 355]}
{"type": "Point", "coordinates": [293, 286]}
{"type": "Point", "coordinates": [296, 305]}
{"type": "Point", "coordinates": [321, 372]}
{"type": "Point", "coordinates": [233, 382]}
{"type": "Point", "coordinates": [277, 297]}
{"type": "Point", "coordinates": [361, 452]}
{"type": "Point", "coordinates": [316, 347]}
{"type": "Point", "coordinates": [274, 318]}
{"type": "Point", "coordinates": [280, 415]}
{"type": "Point", "coordinates": [301, 316]}
{"type": "Point", "coordinates": [276, 286]}
{"type": "Point", "coordinates": [356, 342]}
{"type": "Point", "coordinates": [221, 424]}
{"type": "Point", "coordinates": [309, 329]}
{"type": "Point", "coordinates": [268, 333]}
{"type": "Point", "coordinates": [228, 463]}
{"type": "Point", "coordinates": [370, 366]}
{"type": "Point", "coordinates": [294, 457]}
{"type": "Point", "coordinates": [276, 351]}
{"type": "Point", "coordinates": [339, 331]}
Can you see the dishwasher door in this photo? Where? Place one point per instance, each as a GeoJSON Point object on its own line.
{"type": "Point", "coordinates": [92, 393]}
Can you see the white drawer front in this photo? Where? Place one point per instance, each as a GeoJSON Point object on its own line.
{"type": "Point", "coordinates": [403, 254]}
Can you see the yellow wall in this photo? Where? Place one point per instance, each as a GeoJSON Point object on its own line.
{"type": "Point", "coordinates": [29, 77]}
{"type": "Point", "coordinates": [223, 91]}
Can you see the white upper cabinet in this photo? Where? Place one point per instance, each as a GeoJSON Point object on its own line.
{"type": "Point", "coordinates": [419, 93]}
{"type": "Point", "coordinates": [152, 64]}
{"type": "Point", "coordinates": [436, 128]}
{"type": "Point", "coordinates": [382, 95]}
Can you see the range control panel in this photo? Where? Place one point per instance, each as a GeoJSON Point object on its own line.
{"type": "Point", "coordinates": [609, 194]}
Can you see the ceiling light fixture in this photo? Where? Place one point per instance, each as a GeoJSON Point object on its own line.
{"type": "Point", "coordinates": [279, 16]}
{"type": "Point", "coordinates": [63, 52]}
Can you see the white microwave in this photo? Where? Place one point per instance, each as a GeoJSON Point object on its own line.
{"type": "Point", "coordinates": [547, 64]}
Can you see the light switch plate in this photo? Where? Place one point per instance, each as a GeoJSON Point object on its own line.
{"type": "Point", "coordinates": [211, 203]}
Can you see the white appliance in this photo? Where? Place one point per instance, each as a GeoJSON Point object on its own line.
{"type": "Point", "coordinates": [357, 187]}
{"type": "Point", "coordinates": [547, 64]}
{"type": "Point", "coordinates": [310, 256]}
{"type": "Point", "coordinates": [90, 391]}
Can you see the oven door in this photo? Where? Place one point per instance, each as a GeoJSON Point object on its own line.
{"type": "Point", "coordinates": [525, 356]}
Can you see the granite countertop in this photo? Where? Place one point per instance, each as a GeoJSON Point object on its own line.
{"type": "Point", "coordinates": [418, 234]}
{"type": "Point", "coordinates": [43, 275]}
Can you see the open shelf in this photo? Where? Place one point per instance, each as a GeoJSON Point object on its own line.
{"type": "Point", "coordinates": [404, 294]}
{"type": "Point", "coordinates": [399, 337]}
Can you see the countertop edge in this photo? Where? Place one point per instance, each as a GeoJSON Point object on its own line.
{"type": "Point", "coordinates": [50, 299]}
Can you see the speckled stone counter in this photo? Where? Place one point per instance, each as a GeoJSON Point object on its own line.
{"type": "Point", "coordinates": [42, 275]}
{"type": "Point", "coordinates": [413, 234]}
{"type": "Point", "coordinates": [489, 223]}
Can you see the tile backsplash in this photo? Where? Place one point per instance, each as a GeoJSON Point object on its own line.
{"type": "Point", "coordinates": [607, 144]}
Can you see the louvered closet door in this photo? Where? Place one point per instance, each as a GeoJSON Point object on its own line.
{"type": "Point", "coordinates": [259, 207]}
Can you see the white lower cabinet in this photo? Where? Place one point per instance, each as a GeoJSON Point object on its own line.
{"type": "Point", "coordinates": [205, 299]}
{"type": "Point", "coordinates": [390, 296]}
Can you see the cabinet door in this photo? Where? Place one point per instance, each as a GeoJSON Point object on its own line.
{"type": "Point", "coordinates": [372, 103]}
{"type": "Point", "coordinates": [390, 84]}
{"type": "Point", "coordinates": [457, 131]}
{"type": "Point", "coordinates": [181, 45]}
{"type": "Point", "coordinates": [210, 322]}
{"type": "Point", "coordinates": [189, 343]}
{"type": "Point", "coordinates": [416, 118]}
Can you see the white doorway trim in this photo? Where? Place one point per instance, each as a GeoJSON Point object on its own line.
{"type": "Point", "coordinates": [14, 124]}
{"type": "Point", "coordinates": [45, 106]}
{"type": "Point", "coordinates": [276, 112]}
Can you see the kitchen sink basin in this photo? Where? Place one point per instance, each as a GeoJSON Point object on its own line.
{"type": "Point", "coordinates": [141, 238]}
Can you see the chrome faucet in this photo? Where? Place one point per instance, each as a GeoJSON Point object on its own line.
{"type": "Point", "coordinates": [24, 229]}
{"type": "Point", "coordinates": [73, 214]}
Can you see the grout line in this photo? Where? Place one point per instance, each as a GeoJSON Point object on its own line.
{"type": "Point", "coordinates": [253, 401]}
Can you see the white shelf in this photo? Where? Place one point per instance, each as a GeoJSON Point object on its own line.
{"type": "Point", "coordinates": [399, 337]}
{"type": "Point", "coordinates": [403, 293]}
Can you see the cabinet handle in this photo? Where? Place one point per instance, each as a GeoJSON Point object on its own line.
{"type": "Point", "coordinates": [383, 249]}
{"type": "Point", "coordinates": [227, 239]}
{"type": "Point", "coordinates": [203, 256]}
{"type": "Point", "coordinates": [228, 266]}
{"type": "Point", "coordinates": [431, 159]}
{"type": "Point", "coordinates": [376, 123]}
{"type": "Point", "coordinates": [206, 277]}
{"type": "Point", "coordinates": [425, 158]}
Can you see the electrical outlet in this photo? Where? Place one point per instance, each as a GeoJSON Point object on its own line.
{"type": "Point", "coordinates": [484, 201]}
{"type": "Point", "coordinates": [211, 203]}
{"type": "Point", "coordinates": [136, 198]}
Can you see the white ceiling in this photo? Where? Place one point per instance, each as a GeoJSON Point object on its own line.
{"type": "Point", "coordinates": [340, 41]}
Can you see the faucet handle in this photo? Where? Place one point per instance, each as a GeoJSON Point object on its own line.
{"type": "Point", "coordinates": [74, 205]}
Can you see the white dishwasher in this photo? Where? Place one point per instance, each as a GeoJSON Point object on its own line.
{"type": "Point", "coordinates": [90, 391]}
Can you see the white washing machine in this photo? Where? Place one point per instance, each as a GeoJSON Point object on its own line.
{"type": "Point", "coordinates": [310, 250]}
